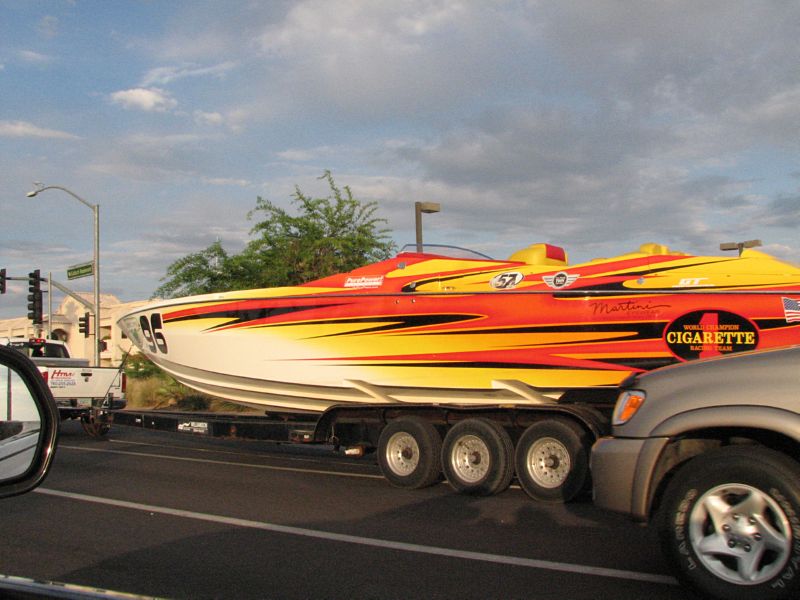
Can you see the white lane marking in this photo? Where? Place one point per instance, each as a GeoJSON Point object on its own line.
{"type": "Point", "coordinates": [373, 542]}
{"type": "Point", "coordinates": [221, 462]}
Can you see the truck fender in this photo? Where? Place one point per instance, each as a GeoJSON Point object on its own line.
{"type": "Point", "coordinates": [750, 417]}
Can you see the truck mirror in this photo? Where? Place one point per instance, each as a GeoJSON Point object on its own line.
{"type": "Point", "coordinates": [28, 424]}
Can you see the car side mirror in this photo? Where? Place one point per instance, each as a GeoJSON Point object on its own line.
{"type": "Point", "coordinates": [29, 423]}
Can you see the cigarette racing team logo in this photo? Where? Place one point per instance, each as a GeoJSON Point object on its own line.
{"type": "Point", "coordinates": [506, 281]}
{"type": "Point", "coordinates": [705, 333]}
{"type": "Point", "coordinates": [560, 280]}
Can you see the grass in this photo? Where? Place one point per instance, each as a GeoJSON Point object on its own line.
{"type": "Point", "coordinates": [162, 393]}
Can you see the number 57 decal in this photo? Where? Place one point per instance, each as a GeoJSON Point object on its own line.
{"type": "Point", "coordinates": [506, 281]}
{"type": "Point", "coordinates": [152, 332]}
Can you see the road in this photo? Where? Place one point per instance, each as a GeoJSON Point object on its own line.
{"type": "Point", "coordinates": [181, 516]}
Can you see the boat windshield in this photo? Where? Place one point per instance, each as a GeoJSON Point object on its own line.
{"type": "Point", "coordinates": [448, 251]}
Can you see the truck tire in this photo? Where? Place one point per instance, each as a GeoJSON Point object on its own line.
{"type": "Point", "coordinates": [409, 451]}
{"type": "Point", "coordinates": [478, 457]}
{"type": "Point", "coordinates": [730, 524]}
{"type": "Point", "coordinates": [552, 460]}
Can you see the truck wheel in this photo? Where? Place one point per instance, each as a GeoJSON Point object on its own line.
{"type": "Point", "coordinates": [552, 460]}
{"type": "Point", "coordinates": [408, 453]}
{"type": "Point", "coordinates": [730, 524]}
{"type": "Point", "coordinates": [477, 457]}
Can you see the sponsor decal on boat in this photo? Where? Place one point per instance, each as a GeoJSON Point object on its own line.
{"type": "Point", "coordinates": [692, 282]}
{"type": "Point", "coordinates": [364, 282]}
{"type": "Point", "coordinates": [506, 281]}
{"type": "Point", "coordinates": [791, 310]}
{"type": "Point", "coordinates": [628, 308]}
{"type": "Point", "coordinates": [560, 280]}
{"type": "Point", "coordinates": [702, 333]}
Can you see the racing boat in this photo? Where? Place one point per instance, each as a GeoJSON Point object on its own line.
{"type": "Point", "coordinates": [449, 326]}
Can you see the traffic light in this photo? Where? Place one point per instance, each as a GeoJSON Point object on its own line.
{"type": "Point", "coordinates": [83, 324]}
{"type": "Point", "coordinates": [35, 298]}
{"type": "Point", "coordinates": [2, 281]}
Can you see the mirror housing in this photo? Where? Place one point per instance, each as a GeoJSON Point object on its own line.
{"type": "Point", "coordinates": [13, 479]}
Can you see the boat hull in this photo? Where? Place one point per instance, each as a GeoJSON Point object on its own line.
{"type": "Point", "coordinates": [429, 330]}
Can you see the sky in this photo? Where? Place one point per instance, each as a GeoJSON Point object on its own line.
{"type": "Point", "coordinates": [594, 125]}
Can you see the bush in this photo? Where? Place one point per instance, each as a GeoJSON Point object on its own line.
{"type": "Point", "coordinates": [150, 387]}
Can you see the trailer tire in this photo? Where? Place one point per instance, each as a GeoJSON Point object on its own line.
{"type": "Point", "coordinates": [478, 457]}
{"type": "Point", "coordinates": [409, 450]}
{"type": "Point", "coordinates": [94, 427]}
{"type": "Point", "coordinates": [552, 460]}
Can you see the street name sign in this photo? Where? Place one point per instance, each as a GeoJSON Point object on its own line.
{"type": "Point", "coordinates": [82, 270]}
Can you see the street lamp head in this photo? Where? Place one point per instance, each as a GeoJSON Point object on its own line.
{"type": "Point", "coordinates": [429, 207]}
{"type": "Point", "coordinates": [38, 187]}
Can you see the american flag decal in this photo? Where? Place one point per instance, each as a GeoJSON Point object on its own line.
{"type": "Point", "coordinates": [791, 310]}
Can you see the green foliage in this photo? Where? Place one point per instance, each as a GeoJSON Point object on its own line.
{"type": "Point", "coordinates": [138, 366]}
{"type": "Point", "coordinates": [199, 273]}
{"type": "Point", "coordinates": [330, 235]}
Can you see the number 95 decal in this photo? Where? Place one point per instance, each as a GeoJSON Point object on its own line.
{"type": "Point", "coordinates": [152, 332]}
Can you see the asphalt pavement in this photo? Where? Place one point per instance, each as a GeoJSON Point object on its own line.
{"type": "Point", "coordinates": [187, 516]}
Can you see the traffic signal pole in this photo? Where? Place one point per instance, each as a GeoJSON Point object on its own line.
{"type": "Point", "coordinates": [35, 297]}
{"type": "Point", "coordinates": [35, 304]}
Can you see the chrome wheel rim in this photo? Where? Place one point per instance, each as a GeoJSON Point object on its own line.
{"type": "Point", "coordinates": [548, 462]}
{"type": "Point", "coordinates": [470, 458]}
{"type": "Point", "coordinates": [402, 453]}
{"type": "Point", "coordinates": [740, 534]}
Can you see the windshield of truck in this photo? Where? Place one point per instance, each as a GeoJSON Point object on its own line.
{"type": "Point", "coordinates": [45, 350]}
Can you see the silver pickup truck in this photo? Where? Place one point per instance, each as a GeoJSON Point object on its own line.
{"type": "Point", "coordinates": [709, 452]}
{"type": "Point", "coordinates": [80, 391]}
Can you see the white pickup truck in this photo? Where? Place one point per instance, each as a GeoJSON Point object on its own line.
{"type": "Point", "coordinates": [80, 391]}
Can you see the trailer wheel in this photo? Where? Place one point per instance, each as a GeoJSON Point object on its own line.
{"type": "Point", "coordinates": [552, 460]}
{"type": "Point", "coordinates": [94, 427]}
{"type": "Point", "coordinates": [477, 457]}
{"type": "Point", "coordinates": [408, 453]}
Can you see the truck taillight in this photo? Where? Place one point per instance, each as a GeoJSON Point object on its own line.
{"type": "Point", "coordinates": [44, 376]}
{"type": "Point", "coordinates": [124, 383]}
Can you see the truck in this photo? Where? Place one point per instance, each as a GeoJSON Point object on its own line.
{"type": "Point", "coordinates": [709, 453]}
{"type": "Point", "coordinates": [80, 391]}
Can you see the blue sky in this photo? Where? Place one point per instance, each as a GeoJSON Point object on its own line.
{"type": "Point", "coordinates": [593, 125]}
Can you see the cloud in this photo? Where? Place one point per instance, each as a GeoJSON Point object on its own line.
{"type": "Point", "coordinates": [783, 211]}
{"type": "Point", "coordinates": [23, 129]}
{"type": "Point", "coordinates": [208, 118]}
{"type": "Point", "coordinates": [373, 60]}
{"type": "Point", "coordinates": [163, 159]}
{"type": "Point", "coordinates": [166, 75]}
{"type": "Point", "coordinates": [146, 99]}
{"type": "Point", "coordinates": [310, 154]}
{"type": "Point", "coordinates": [48, 26]}
{"type": "Point", "coordinates": [225, 181]}
{"type": "Point", "coordinates": [35, 58]}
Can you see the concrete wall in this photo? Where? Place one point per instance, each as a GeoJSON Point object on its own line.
{"type": "Point", "coordinates": [64, 326]}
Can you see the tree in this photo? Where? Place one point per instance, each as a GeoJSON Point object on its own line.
{"type": "Point", "coordinates": [199, 273]}
{"type": "Point", "coordinates": [333, 234]}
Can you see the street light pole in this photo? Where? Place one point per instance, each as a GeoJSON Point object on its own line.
{"type": "Point", "coordinates": [419, 208]}
{"type": "Point", "coordinates": [95, 260]}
